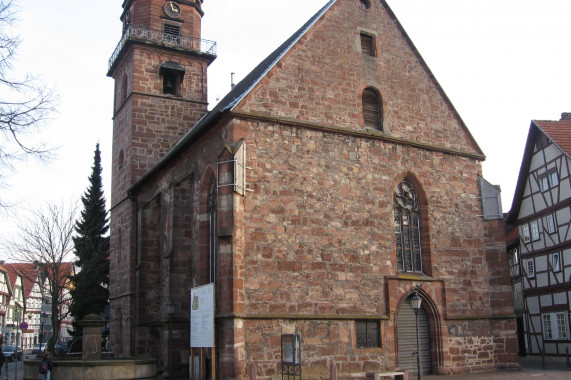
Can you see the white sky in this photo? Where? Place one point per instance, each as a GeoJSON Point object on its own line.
{"type": "Point", "coordinates": [501, 62]}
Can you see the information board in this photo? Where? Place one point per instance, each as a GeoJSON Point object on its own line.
{"type": "Point", "coordinates": [202, 316]}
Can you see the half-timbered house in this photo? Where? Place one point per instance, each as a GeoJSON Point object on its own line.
{"type": "Point", "coordinates": [539, 249]}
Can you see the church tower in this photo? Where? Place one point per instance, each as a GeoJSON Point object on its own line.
{"type": "Point", "coordinates": [160, 72]}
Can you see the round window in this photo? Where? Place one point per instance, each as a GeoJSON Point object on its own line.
{"type": "Point", "coordinates": [365, 4]}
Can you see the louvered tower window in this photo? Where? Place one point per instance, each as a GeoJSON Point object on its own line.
{"type": "Point", "coordinates": [171, 29]}
{"type": "Point", "coordinates": [372, 109]}
{"type": "Point", "coordinates": [407, 228]}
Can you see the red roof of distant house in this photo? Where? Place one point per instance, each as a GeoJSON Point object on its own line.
{"type": "Point", "coordinates": [29, 274]}
{"type": "Point", "coordinates": [558, 131]}
{"type": "Point", "coordinates": [27, 271]}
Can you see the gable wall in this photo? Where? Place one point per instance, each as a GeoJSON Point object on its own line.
{"type": "Point", "coordinates": [322, 77]}
{"type": "Point", "coordinates": [547, 290]}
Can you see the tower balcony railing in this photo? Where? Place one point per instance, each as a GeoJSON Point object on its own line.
{"type": "Point", "coordinates": [145, 34]}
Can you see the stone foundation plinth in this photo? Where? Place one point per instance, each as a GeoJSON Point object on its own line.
{"type": "Point", "coordinates": [112, 369]}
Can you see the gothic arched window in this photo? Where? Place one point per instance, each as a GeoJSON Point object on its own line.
{"type": "Point", "coordinates": [407, 228]}
{"type": "Point", "coordinates": [212, 228]}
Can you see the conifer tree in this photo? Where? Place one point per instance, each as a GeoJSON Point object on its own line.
{"type": "Point", "coordinates": [90, 292]}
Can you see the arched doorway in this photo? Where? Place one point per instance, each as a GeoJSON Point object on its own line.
{"type": "Point", "coordinates": [406, 338]}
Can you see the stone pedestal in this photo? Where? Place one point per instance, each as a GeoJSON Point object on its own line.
{"type": "Point", "coordinates": [92, 325]}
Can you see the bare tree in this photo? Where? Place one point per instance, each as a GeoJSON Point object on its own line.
{"type": "Point", "coordinates": [45, 239]}
{"type": "Point", "coordinates": [25, 103]}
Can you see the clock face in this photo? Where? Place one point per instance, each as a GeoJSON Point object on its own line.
{"type": "Point", "coordinates": [172, 9]}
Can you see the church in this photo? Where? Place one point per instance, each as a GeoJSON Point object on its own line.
{"type": "Point", "coordinates": [330, 188]}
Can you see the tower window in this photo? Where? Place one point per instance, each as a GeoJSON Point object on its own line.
{"type": "Point", "coordinates": [172, 74]}
{"type": "Point", "coordinates": [372, 109]}
{"type": "Point", "coordinates": [171, 33]}
{"type": "Point", "coordinates": [170, 83]}
{"type": "Point", "coordinates": [171, 29]}
{"type": "Point", "coordinates": [368, 44]}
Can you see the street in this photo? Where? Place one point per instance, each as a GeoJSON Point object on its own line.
{"type": "Point", "coordinates": [12, 370]}
{"type": "Point", "coordinates": [531, 369]}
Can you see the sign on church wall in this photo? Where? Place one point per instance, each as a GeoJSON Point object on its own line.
{"type": "Point", "coordinates": [202, 316]}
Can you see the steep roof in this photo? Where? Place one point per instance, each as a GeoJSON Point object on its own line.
{"type": "Point", "coordinates": [557, 131]}
{"type": "Point", "coordinates": [28, 272]}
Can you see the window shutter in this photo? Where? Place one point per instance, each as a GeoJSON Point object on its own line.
{"type": "Point", "coordinates": [367, 45]}
{"type": "Point", "coordinates": [491, 200]}
{"type": "Point", "coordinates": [372, 112]}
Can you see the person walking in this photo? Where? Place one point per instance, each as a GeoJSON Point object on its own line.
{"type": "Point", "coordinates": [46, 366]}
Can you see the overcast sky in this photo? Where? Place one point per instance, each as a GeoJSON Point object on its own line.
{"type": "Point", "coordinates": [502, 63]}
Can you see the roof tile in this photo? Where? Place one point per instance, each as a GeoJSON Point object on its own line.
{"type": "Point", "coordinates": [558, 131]}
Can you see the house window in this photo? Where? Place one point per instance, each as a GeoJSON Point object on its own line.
{"type": "Point", "coordinates": [555, 326]}
{"type": "Point", "coordinates": [514, 262]}
{"type": "Point", "coordinates": [548, 180]}
{"type": "Point", "coordinates": [367, 334]}
{"type": "Point", "coordinates": [368, 44]}
{"type": "Point", "coordinates": [543, 183]}
{"type": "Point", "coordinates": [553, 178]}
{"type": "Point", "coordinates": [550, 221]}
{"type": "Point", "coordinates": [534, 230]}
{"type": "Point", "coordinates": [556, 262]}
{"type": "Point", "coordinates": [372, 109]}
{"type": "Point", "coordinates": [407, 228]}
{"type": "Point", "coordinates": [530, 268]}
{"type": "Point", "coordinates": [525, 232]}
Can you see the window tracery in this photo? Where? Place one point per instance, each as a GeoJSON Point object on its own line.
{"type": "Point", "coordinates": [407, 228]}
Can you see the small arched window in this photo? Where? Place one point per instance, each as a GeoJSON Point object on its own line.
{"type": "Point", "coordinates": [407, 228]}
{"type": "Point", "coordinates": [372, 109]}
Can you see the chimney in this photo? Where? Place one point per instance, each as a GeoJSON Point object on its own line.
{"type": "Point", "coordinates": [566, 116]}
